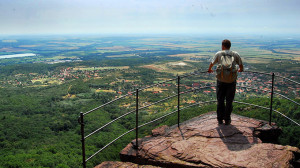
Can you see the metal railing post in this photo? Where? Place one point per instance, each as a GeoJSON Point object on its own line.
{"type": "Point", "coordinates": [271, 103]}
{"type": "Point", "coordinates": [137, 119]}
{"type": "Point", "coordinates": [82, 140]}
{"type": "Point", "coordinates": [178, 100]}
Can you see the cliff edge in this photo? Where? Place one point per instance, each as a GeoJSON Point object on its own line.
{"type": "Point", "coordinates": [201, 142]}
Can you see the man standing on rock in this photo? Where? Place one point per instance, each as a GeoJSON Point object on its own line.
{"type": "Point", "coordinates": [226, 79]}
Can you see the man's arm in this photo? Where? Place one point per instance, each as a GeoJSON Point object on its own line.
{"type": "Point", "coordinates": [209, 68]}
{"type": "Point", "coordinates": [240, 63]}
{"type": "Point", "coordinates": [212, 63]}
{"type": "Point", "coordinates": [241, 68]}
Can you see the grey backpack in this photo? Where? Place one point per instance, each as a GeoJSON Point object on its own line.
{"type": "Point", "coordinates": [226, 70]}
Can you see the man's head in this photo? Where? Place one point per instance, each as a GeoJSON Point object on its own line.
{"type": "Point", "coordinates": [226, 44]}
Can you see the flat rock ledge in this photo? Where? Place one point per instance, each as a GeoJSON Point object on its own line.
{"type": "Point", "coordinates": [201, 142]}
{"type": "Point", "coordinates": [116, 164]}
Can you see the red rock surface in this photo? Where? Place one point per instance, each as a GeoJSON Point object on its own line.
{"type": "Point", "coordinates": [201, 142]}
{"type": "Point", "coordinates": [110, 164]}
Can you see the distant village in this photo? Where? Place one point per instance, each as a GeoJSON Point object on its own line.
{"type": "Point", "coordinates": [248, 82]}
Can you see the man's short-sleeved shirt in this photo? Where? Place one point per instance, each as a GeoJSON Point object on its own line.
{"type": "Point", "coordinates": [217, 57]}
{"type": "Point", "coordinates": [225, 77]}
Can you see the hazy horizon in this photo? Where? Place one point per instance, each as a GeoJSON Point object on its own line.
{"type": "Point", "coordinates": [131, 17]}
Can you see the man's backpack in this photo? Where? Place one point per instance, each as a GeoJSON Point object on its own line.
{"type": "Point", "coordinates": [226, 70]}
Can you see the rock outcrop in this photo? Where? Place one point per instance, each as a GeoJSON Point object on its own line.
{"type": "Point", "coordinates": [201, 142]}
{"type": "Point", "coordinates": [110, 164]}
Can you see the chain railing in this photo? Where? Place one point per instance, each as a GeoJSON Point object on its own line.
{"type": "Point", "coordinates": [179, 93]}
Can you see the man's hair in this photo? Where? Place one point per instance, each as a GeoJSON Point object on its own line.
{"type": "Point", "coordinates": [226, 43]}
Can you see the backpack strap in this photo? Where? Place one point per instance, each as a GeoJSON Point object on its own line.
{"type": "Point", "coordinates": [231, 74]}
{"type": "Point", "coordinates": [222, 73]}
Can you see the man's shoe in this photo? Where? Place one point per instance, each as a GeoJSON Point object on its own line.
{"type": "Point", "coordinates": [227, 122]}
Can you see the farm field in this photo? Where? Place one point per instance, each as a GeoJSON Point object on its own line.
{"type": "Point", "coordinates": [150, 49]}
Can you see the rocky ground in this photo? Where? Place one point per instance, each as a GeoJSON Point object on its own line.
{"type": "Point", "coordinates": [201, 142]}
{"type": "Point", "coordinates": [110, 164]}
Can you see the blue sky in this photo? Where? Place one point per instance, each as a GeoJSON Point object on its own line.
{"type": "Point", "coordinates": [149, 16]}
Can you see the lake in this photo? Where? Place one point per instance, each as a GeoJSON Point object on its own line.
{"type": "Point", "coordinates": [17, 55]}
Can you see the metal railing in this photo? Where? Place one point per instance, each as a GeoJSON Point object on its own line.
{"type": "Point", "coordinates": [179, 93]}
